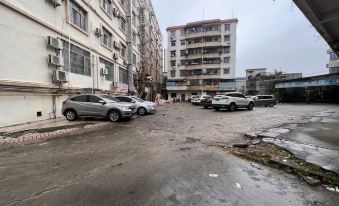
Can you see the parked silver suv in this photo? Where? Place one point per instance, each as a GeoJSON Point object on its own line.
{"type": "Point", "coordinates": [96, 105]}
{"type": "Point", "coordinates": [142, 107]}
{"type": "Point", "coordinates": [232, 101]}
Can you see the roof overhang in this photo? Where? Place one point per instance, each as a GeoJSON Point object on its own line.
{"type": "Point", "coordinates": [324, 16]}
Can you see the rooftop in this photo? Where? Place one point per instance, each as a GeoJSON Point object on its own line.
{"type": "Point", "coordinates": [212, 21]}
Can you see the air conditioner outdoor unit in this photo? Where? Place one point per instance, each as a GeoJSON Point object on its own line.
{"type": "Point", "coordinates": [104, 71]}
{"type": "Point", "coordinates": [114, 84]}
{"type": "Point", "coordinates": [54, 43]}
{"type": "Point", "coordinates": [55, 60]}
{"type": "Point", "coordinates": [59, 76]}
{"type": "Point", "coordinates": [172, 37]}
{"type": "Point", "coordinates": [98, 32]}
{"type": "Point", "coordinates": [56, 3]}
{"type": "Point", "coordinates": [115, 56]}
{"type": "Point", "coordinates": [114, 11]}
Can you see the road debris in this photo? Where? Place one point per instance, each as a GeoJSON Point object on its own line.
{"type": "Point", "coordinates": [238, 186]}
{"type": "Point", "coordinates": [255, 166]}
{"type": "Point", "coordinates": [213, 175]}
{"type": "Point", "coordinates": [312, 181]}
{"type": "Point", "coordinates": [241, 145]}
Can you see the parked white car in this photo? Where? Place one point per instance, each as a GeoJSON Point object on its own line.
{"type": "Point", "coordinates": [232, 101]}
{"type": "Point", "coordinates": [142, 107]}
{"type": "Point", "coordinates": [196, 99]}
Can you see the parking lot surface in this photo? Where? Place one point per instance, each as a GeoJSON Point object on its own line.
{"type": "Point", "coordinates": [156, 160]}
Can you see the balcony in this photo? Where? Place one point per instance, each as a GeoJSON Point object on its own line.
{"type": "Point", "coordinates": [202, 66]}
{"type": "Point", "coordinates": [205, 55]}
{"type": "Point", "coordinates": [203, 44]}
{"type": "Point", "coordinates": [204, 76]}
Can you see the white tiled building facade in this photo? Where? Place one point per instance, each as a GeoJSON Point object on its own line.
{"type": "Point", "coordinates": [201, 58]}
{"type": "Point", "coordinates": [52, 49]}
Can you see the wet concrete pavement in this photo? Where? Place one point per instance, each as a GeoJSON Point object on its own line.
{"type": "Point", "coordinates": [148, 161]}
{"type": "Point", "coordinates": [316, 141]}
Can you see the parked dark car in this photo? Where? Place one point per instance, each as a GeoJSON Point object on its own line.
{"type": "Point", "coordinates": [206, 102]}
{"type": "Point", "coordinates": [264, 100]}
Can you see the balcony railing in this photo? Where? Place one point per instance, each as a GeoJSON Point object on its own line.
{"type": "Point", "coordinates": [222, 86]}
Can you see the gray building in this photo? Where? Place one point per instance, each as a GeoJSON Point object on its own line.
{"type": "Point", "coordinates": [201, 58]}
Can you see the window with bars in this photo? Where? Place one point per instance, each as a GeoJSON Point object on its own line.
{"type": "Point", "coordinates": [78, 15]}
{"type": "Point", "coordinates": [123, 76]}
{"type": "Point", "coordinates": [110, 68]}
{"type": "Point", "coordinates": [227, 27]}
{"type": "Point", "coordinates": [80, 60]}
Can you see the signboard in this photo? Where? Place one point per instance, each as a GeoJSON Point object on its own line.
{"type": "Point", "coordinates": [123, 88]}
{"type": "Point", "coordinates": [335, 81]}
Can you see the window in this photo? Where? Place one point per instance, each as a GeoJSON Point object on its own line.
{"type": "Point", "coordinates": [226, 60]}
{"type": "Point", "coordinates": [333, 56]}
{"type": "Point", "coordinates": [123, 76]}
{"type": "Point", "coordinates": [80, 60]}
{"type": "Point", "coordinates": [106, 6]}
{"type": "Point", "coordinates": [182, 52]}
{"type": "Point", "coordinates": [172, 43]}
{"type": "Point", "coordinates": [82, 98]}
{"type": "Point", "coordinates": [122, 24]}
{"type": "Point", "coordinates": [106, 37]}
{"type": "Point", "coordinates": [172, 53]}
{"type": "Point", "coordinates": [78, 15]}
{"type": "Point", "coordinates": [134, 59]}
{"type": "Point", "coordinates": [226, 49]}
{"type": "Point", "coordinates": [123, 51]}
{"type": "Point", "coordinates": [226, 70]}
{"type": "Point", "coordinates": [227, 38]}
{"type": "Point", "coordinates": [183, 42]}
{"type": "Point", "coordinates": [173, 95]}
{"type": "Point", "coordinates": [173, 34]}
{"type": "Point", "coordinates": [173, 73]}
{"type": "Point", "coordinates": [182, 32]}
{"type": "Point", "coordinates": [110, 68]}
{"type": "Point", "coordinates": [183, 73]}
{"type": "Point", "coordinates": [227, 27]}
{"type": "Point", "coordinates": [173, 63]}
{"type": "Point", "coordinates": [93, 99]}
{"type": "Point", "coordinates": [183, 62]}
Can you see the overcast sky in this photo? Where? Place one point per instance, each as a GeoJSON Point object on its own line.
{"type": "Point", "coordinates": [271, 33]}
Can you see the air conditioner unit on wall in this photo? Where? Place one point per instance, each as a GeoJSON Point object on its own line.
{"type": "Point", "coordinates": [54, 43]}
{"type": "Point", "coordinates": [55, 60]}
{"type": "Point", "coordinates": [56, 3]}
{"type": "Point", "coordinates": [114, 85]}
{"type": "Point", "coordinates": [104, 71]}
{"type": "Point", "coordinates": [98, 32]}
{"type": "Point", "coordinates": [59, 76]}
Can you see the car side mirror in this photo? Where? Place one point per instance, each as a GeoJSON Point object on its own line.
{"type": "Point", "coordinates": [102, 102]}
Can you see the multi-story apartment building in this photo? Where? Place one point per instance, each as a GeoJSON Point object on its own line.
{"type": "Point", "coordinates": [201, 58]}
{"type": "Point", "coordinates": [333, 64]}
{"type": "Point", "coordinates": [52, 49]}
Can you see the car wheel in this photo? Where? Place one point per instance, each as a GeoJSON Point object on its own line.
{"type": "Point", "coordinates": [271, 104]}
{"type": "Point", "coordinates": [70, 115]}
{"type": "Point", "coordinates": [142, 111]}
{"type": "Point", "coordinates": [217, 109]}
{"type": "Point", "coordinates": [114, 116]}
{"type": "Point", "coordinates": [250, 106]}
{"type": "Point", "coordinates": [232, 107]}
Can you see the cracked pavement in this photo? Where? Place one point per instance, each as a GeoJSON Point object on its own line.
{"type": "Point", "coordinates": [149, 161]}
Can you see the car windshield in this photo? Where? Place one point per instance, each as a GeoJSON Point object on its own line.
{"type": "Point", "coordinates": [137, 99]}
{"type": "Point", "coordinates": [109, 98]}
